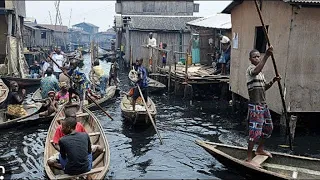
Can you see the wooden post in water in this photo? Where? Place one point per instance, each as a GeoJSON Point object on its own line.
{"type": "Point", "coordinates": [169, 78]}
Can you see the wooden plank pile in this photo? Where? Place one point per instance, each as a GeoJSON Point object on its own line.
{"type": "Point", "coordinates": [195, 73]}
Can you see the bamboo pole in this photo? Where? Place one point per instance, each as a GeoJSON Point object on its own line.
{"type": "Point", "coordinates": [277, 74]}
{"type": "Point", "coordinates": [151, 119]}
{"type": "Point", "coordinates": [169, 78]}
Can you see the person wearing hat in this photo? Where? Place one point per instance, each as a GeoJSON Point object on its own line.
{"type": "Point", "coordinates": [225, 55]}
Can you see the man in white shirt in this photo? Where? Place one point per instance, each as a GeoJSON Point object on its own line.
{"type": "Point", "coordinates": [152, 42]}
{"type": "Point", "coordinates": [59, 59]}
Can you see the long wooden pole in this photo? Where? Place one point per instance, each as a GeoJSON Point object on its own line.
{"type": "Point", "coordinates": [277, 74]}
{"type": "Point", "coordinates": [86, 94]}
{"type": "Point", "coordinates": [151, 119]}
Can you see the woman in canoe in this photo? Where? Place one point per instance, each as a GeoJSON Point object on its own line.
{"type": "Point", "coordinates": [14, 101]}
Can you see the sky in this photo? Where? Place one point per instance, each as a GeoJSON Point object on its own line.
{"type": "Point", "coordinates": [99, 13]}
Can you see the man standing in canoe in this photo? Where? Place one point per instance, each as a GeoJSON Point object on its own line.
{"type": "Point", "coordinates": [80, 83]}
{"type": "Point", "coordinates": [142, 83]}
{"type": "Point", "coordinates": [260, 122]}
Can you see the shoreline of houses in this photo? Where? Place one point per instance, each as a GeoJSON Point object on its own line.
{"type": "Point", "coordinates": [69, 39]}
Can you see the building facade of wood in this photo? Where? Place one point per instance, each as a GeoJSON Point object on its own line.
{"type": "Point", "coordinates": [171, 30]}
{"type": "Point", "coordinates": [37, 36]}
{"type": "Point", "coordinates": [293, 31]}
{"type": "Point", "coordinates": [209, 30]}
{"type": "Point", "coordinates": [60, 35]}
{"type": "Point", "coordinates": [79, 38]}
{"type": "Point", "coordinates": [103, 39]}
{"type": "Point", "coordinates": [8, 21]}
{"type": "Point", "coordinates": [144, 7]}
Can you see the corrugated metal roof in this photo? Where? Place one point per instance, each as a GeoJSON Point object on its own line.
{"type": "Point", "coordinates": [234, 3]}
{"type": "Point", "coordinates": [55, 27]}
{"type": "Point", "coordinates": [303, 1]}
{"type": "Point", "coordinates": [169, 23]}
{"type": "Point", "coordinates": [217, 21]}
{"type": "Point", "coordinates": [89, 24]}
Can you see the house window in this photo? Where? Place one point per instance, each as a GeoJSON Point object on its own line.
{"type": "Point", "coordinates": [43, 35]}
{"type": "Point", "coordinates": [260, 39]}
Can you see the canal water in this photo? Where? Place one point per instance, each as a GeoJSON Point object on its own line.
{"type": "Point", "coordinates": [138, 154]}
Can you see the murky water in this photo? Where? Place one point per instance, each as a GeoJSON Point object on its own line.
{"type": "Point", "coordinates": [137, 153]}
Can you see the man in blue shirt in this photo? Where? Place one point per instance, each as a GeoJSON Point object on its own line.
{"type": "Point", "coordinates": [142, 83]}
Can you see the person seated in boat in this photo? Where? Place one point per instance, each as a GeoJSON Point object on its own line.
{"type": "Point", "coordinates": [34, 70]}
{"type": "Point", "coordinates": [14, 101]}
{"type": "Point", "coordinates": [130, 94]}
{"type": "Point", "coordinates": [98, 71]}
{"type": "Point", "coordinates": [53, 161]}
{"type": "Point", "coordinates": [80, 83]}
{"type": "Point", "coordinates": [113, 74]}
{"type": "Point", "coordinates": [75, 149]}
{"type": "Point", "coordinates": [62, 96]}
{"type": "Point", "coordinates": [48, 83]}
{"type": "Point", "coordinates": [142, 82]}
{"type": "Point", "coordinates": [49, 105]}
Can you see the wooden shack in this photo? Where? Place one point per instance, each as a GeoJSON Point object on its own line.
{"type": "Point", "coordinates": [12, 14]}
{"type": "Point", "coordinates": [293, 29]}
{"type": "Point", "coordinates": [35, 36]}
{"type": "Point", "coordinates": [60, 35]}
{"type": "Point", "coordinates": [209, 29]}
{"type": "Point", "coordinates": [171, 30]}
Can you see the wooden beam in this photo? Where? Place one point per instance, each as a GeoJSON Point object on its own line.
{"type": "Point", "coordinates": [259, 159]}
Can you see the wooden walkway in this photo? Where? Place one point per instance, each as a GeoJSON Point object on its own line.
{"type": "Point", "coordinates": [197, 74]}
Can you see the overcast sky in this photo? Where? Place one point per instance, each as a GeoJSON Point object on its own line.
{"type": "Point", "coordinates": [99, 13]}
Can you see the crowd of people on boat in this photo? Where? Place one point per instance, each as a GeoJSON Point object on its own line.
{"type": "Point", "coordinates": [62, 81]}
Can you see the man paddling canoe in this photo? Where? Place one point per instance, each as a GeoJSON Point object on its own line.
{"type": "Point", "coordinates": [260, 122]}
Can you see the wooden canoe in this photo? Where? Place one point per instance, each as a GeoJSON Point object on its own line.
{"type": "Point", "coordinates": [4, 91]}
{"type": "Point", "coordinates": [281, 166]}
{"type": "Point", "coordinates": [22, 82]}
{"type": "Point", "coordinates": [33, 109]}
{"type": "Point", "coordinates": [140, 116]}
{"type": "Point", "coordinates": [155, 86]}
{"type": "Point", "coordinates": [110, 92]}
{"type": "Point", "coordinates": [100, 165]}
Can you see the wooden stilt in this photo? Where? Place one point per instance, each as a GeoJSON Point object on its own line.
{"type": "Point", "coordinates": [292, 125]}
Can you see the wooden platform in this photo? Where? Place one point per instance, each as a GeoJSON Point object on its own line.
{"type": "Point", "coordinates": [197, 74]}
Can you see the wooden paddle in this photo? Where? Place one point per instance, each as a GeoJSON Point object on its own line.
{"type": "Point", "coordinates": [86, 94]}
{"type": "Point", "coordinates": [151, 119]}
{"type": "Point", "coordinates": [277, 74]}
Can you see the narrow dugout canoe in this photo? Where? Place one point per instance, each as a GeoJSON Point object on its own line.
{"type": "Point", "coordinates": [281, 166]}
{"type": "Point", "coordinates": [140, 116]}
{"type": "Point", "coordinates": [100, 165]}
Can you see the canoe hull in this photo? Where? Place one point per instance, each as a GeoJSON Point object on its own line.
{"type": "Point", "coordinates": [32, 117]}
{"type": "Point", "coordinates": [97, 137]}
{"type": "Point", "coordinates": [140, 116]}
{"type": "Point", "coordinates": [22, 82]}
{"type": "Point", "coordinates": [281, 166]}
